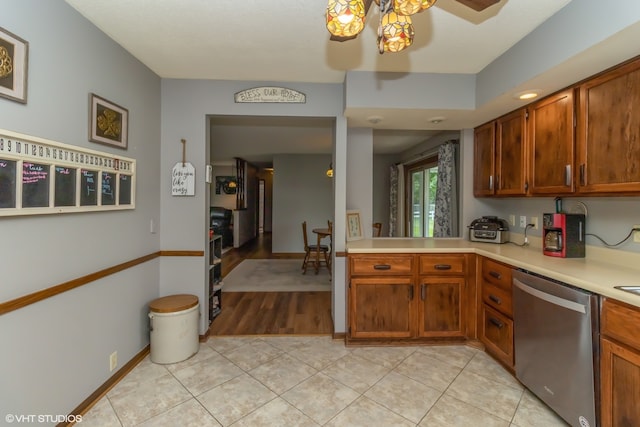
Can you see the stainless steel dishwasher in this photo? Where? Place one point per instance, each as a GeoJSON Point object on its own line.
{"type": "Point", "coordinates": [556, 345]}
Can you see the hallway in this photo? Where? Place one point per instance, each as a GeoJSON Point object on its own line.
{"type": "Point", "coordinates": [269, 313]}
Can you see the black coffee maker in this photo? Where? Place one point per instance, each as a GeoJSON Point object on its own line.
{"type": "Point", "coordinates": [563, 235]}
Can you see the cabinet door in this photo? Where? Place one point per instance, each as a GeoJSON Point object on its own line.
{"type": "Point", "coordinates": [380, 307]}
{"type": "Point", "coordinates": [441, 311]}
{"type": "Point", "coordinates": [620, 388]}
{"type": "Point", "coordinates": [609, 132]}
{"type": "Point", "coordinates": [511, 154]}
{"type": "Point", "coordinates": [497, 335]}
{"type": "Point", "coordinates": [551, 131]}
{"type": "Point", "coordinates": [484, 159]}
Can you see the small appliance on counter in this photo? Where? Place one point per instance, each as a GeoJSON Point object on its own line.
{"type": "Point", "coordinates": [489, 229]}
{"type": "Point", "coordinates": [563, 235]}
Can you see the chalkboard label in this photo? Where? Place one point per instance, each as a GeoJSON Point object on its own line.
{"type": "Point", "coordinates": [124, 196]}
{"type": "Point", "coordinates": [108, 188]}
{"type": "Point", "coordinates": [88, 181]}
{"type": "Point", "coordinates": [65, 186]}
{"type": "Point", "coordinates": [35, 185]}
{"type": "Point", "coordinates": [7, 183]}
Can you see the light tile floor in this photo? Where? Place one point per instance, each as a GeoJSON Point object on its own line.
{"type": "Point", "coordinates": [317, 381]}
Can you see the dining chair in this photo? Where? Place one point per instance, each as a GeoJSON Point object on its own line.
{"type": "Point", "coordinates": [312, 250]}
{"type": "Point", "coordinates": [330, 226]}
{"type": "Point", "coordinates": [377, 229]}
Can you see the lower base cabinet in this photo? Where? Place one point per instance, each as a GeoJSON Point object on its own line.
{"type": "Point", "coordinates": [619, 365]}
{"type": "Point", "coordinates": [497, 335]}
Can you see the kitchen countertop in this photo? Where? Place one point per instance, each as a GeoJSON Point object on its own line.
{"type": "Point", "coordinates": [598, 272]}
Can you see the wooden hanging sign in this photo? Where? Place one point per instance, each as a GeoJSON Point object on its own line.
{"type": "Point", "coordinates": [183, 176]}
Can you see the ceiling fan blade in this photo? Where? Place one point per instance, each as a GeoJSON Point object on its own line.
{"type": "Point", "coordinates": [367, 5]}
{"type": "Point", "coordinates": [478, 5]}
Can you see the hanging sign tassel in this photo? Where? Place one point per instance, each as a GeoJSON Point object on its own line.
{"type": "Point", "coordinates": [184, 150]}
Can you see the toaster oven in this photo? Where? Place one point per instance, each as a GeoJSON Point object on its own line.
{"type": "Point", "coordinates": [489, 229]}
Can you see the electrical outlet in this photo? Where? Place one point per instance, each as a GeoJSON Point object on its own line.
{"type": "Point", "coordinates": [636, 234]}
{"type": "Point", "coordinates": [534, 220]}
{"type": "Point", "coordinates": [523, 221]}
{"type": "Point", "coordinates": [113, 361]}
{"type": "Point", "coordinates": [512, 220]}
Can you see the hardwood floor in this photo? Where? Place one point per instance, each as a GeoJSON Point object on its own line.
{"type": "Point", "coordinates": [265, 313]}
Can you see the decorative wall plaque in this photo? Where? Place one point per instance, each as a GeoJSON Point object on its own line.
{"type": "Point", "coordinates": [270, 94]}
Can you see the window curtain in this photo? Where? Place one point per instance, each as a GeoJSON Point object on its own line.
{"type": "Point", "coordinates": [446, 206]}
{"type": "Point", "coordinates": [396, 207]}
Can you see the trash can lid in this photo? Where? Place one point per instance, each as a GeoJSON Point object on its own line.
{"type": "Point", "coordinates": [173, 303]}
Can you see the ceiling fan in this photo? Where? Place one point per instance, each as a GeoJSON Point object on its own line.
{"type": "Point", "coordinates": [345, 19]}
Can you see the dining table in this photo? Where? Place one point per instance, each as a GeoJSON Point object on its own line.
{"type": "Point", "coordinates": [321, 233]}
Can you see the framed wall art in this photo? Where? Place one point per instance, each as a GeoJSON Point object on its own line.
{"type": "Point", "coordinates": [14, 56]}
{"type": "Point", "coordinates": [354, 227]}
{"type": "Point", "coordinates": [108, 122]}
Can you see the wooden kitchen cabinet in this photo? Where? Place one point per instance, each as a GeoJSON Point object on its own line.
{"type": "Point", "coordinates": [608, 137]}
{"type": "Point", "coordinates": [551, 136]}
{"type": "Point", "coordinates": [511, 154]}
{"type": "Point", "coordinates": [500, 156]}
{"type": "Point", "coordinates": [495, 323]}
{"type": "Point", "coordinates": [409, 296]}
{"type": "Point", "coordinates": [619, 364]}
{"type": "Point", "coordinates": [484, 158]}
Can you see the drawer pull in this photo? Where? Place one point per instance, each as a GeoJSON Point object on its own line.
{"type": "Point", "coordinates": [423, 292]}
{"type": "Point", "coordinates": [382, 267]}
{"type": "Point", "coordinates": [496, 322]}
{"type": "Point", "coordinates": [495, 274]}
{"type": "Point", "coordinates": [442, 266]}
{"type": "Point", "coordinates": [495, 299]}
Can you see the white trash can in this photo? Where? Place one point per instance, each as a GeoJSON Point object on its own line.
{"type": "Point", "coordinates": [174, 328]}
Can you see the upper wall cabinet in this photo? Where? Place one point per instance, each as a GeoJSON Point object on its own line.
{"type": "Point", "coordinates": [609, 132]}
{"type": "Point", "coordinates": [484, 154]}
{"type": "Point", "coordinates": [500, 161]}
{"type": "Point", "coordinates": [551, 135]}
{"type": "Point", "coordinates": [561, 145]}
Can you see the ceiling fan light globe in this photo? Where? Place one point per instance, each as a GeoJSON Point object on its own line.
{"type": "Point", "coordinates": [345, 18]}
{"type": "Point", "coordinates": [411, 7]}
{"type": "Point", "coordinates": [397, 32]}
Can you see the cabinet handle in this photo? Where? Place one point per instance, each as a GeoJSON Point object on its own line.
{"type": "Point", "coordinates": [442, 266]}
{"type": "Point", "coordinates": [491, 182]}
{"type": "Point", "coordinates": [410, 292]}
{"type": "Point", "coordinates": [582, 179]}
{"type": "Point", "coordinates": [495, 299]}
{"type": "Point", "coordinates": [496, 322]}
{"type": "Point", "coordinates": [423, 292]}
{"type": "Point", "coordinates": [382, 267]}
{"type": "Point", "coordinates": [567, 175]}
{"type": "Point", "coordinates": [495, 274]}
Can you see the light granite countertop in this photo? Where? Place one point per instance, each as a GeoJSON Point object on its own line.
{"type": "Point", "coordinates": [598, 272]}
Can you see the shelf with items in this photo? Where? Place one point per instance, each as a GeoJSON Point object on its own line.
{"type": "Point", "coordinates": [214, 288]}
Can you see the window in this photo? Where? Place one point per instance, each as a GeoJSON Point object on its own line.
{"type": "Point", "coordinates": [422, 181]}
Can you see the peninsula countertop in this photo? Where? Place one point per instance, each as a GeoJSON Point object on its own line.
{"type": "Point", "coordinates": [598, 272]}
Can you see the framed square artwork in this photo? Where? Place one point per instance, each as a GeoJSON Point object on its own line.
{"type": "Point", "coordinates": [108, 122]}
{"type": "Point", "coordinates": [14, 56]}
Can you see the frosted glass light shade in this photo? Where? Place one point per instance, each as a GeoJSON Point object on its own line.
{"type": "Point", "coordinates": [410, 7]}
{"type": "Point", "coordinates": [345, 18]}
{"type": "Point", "coordinates": [397, 32]}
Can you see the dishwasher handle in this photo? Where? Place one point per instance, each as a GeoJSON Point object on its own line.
{"type": "Point", "coordinates": [571, 305]}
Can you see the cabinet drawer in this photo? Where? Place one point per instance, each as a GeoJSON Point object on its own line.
{"type": "Point", "coordinates": [497, 334]}
{"type": "Point", "coordinates": [616, 321]}
{"type": "Point", "coordinates": [498, 298]}
{"type": "Point", "coordinates": [497, 273]}
{"type": "Point", "coordinates": [442, 264]}
{"type": "Point", "coordinates": [381, 264]}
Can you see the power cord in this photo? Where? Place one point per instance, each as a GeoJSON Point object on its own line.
{"type": "Point", "coordinates": [613, 245]}
{"type": "Point", "coordinates": [526, 239]}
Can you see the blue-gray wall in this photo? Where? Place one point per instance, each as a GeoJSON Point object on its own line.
{"type": "Point", "coordinates": [55, 353]}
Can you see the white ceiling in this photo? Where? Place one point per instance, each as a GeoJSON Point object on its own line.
{"type": "Point", "coordinates": [286, 41]}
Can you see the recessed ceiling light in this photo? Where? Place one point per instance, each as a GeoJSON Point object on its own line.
{"type": "Point", "coordinates": [527, 94]}
{"type": "Point", "coordinates": [374, 119]}
{"type": "Point", "coordinates": [436, 120]}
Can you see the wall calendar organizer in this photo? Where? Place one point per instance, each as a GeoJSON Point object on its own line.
{"type": "Point", "coordinates": [40, 176]}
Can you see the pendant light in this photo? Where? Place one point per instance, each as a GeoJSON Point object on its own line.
{"type": "Point", "coordinates": [395, 33]}
{"type": "Point", "coordinates": [411, 7]}
{"type": "Point", "coordinates": [345, 18]}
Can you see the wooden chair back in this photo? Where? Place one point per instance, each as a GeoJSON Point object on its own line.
{"type": "Point", "coordinates": [377, 229]}
{"type": "Point", "coordinates": [304, 235]}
